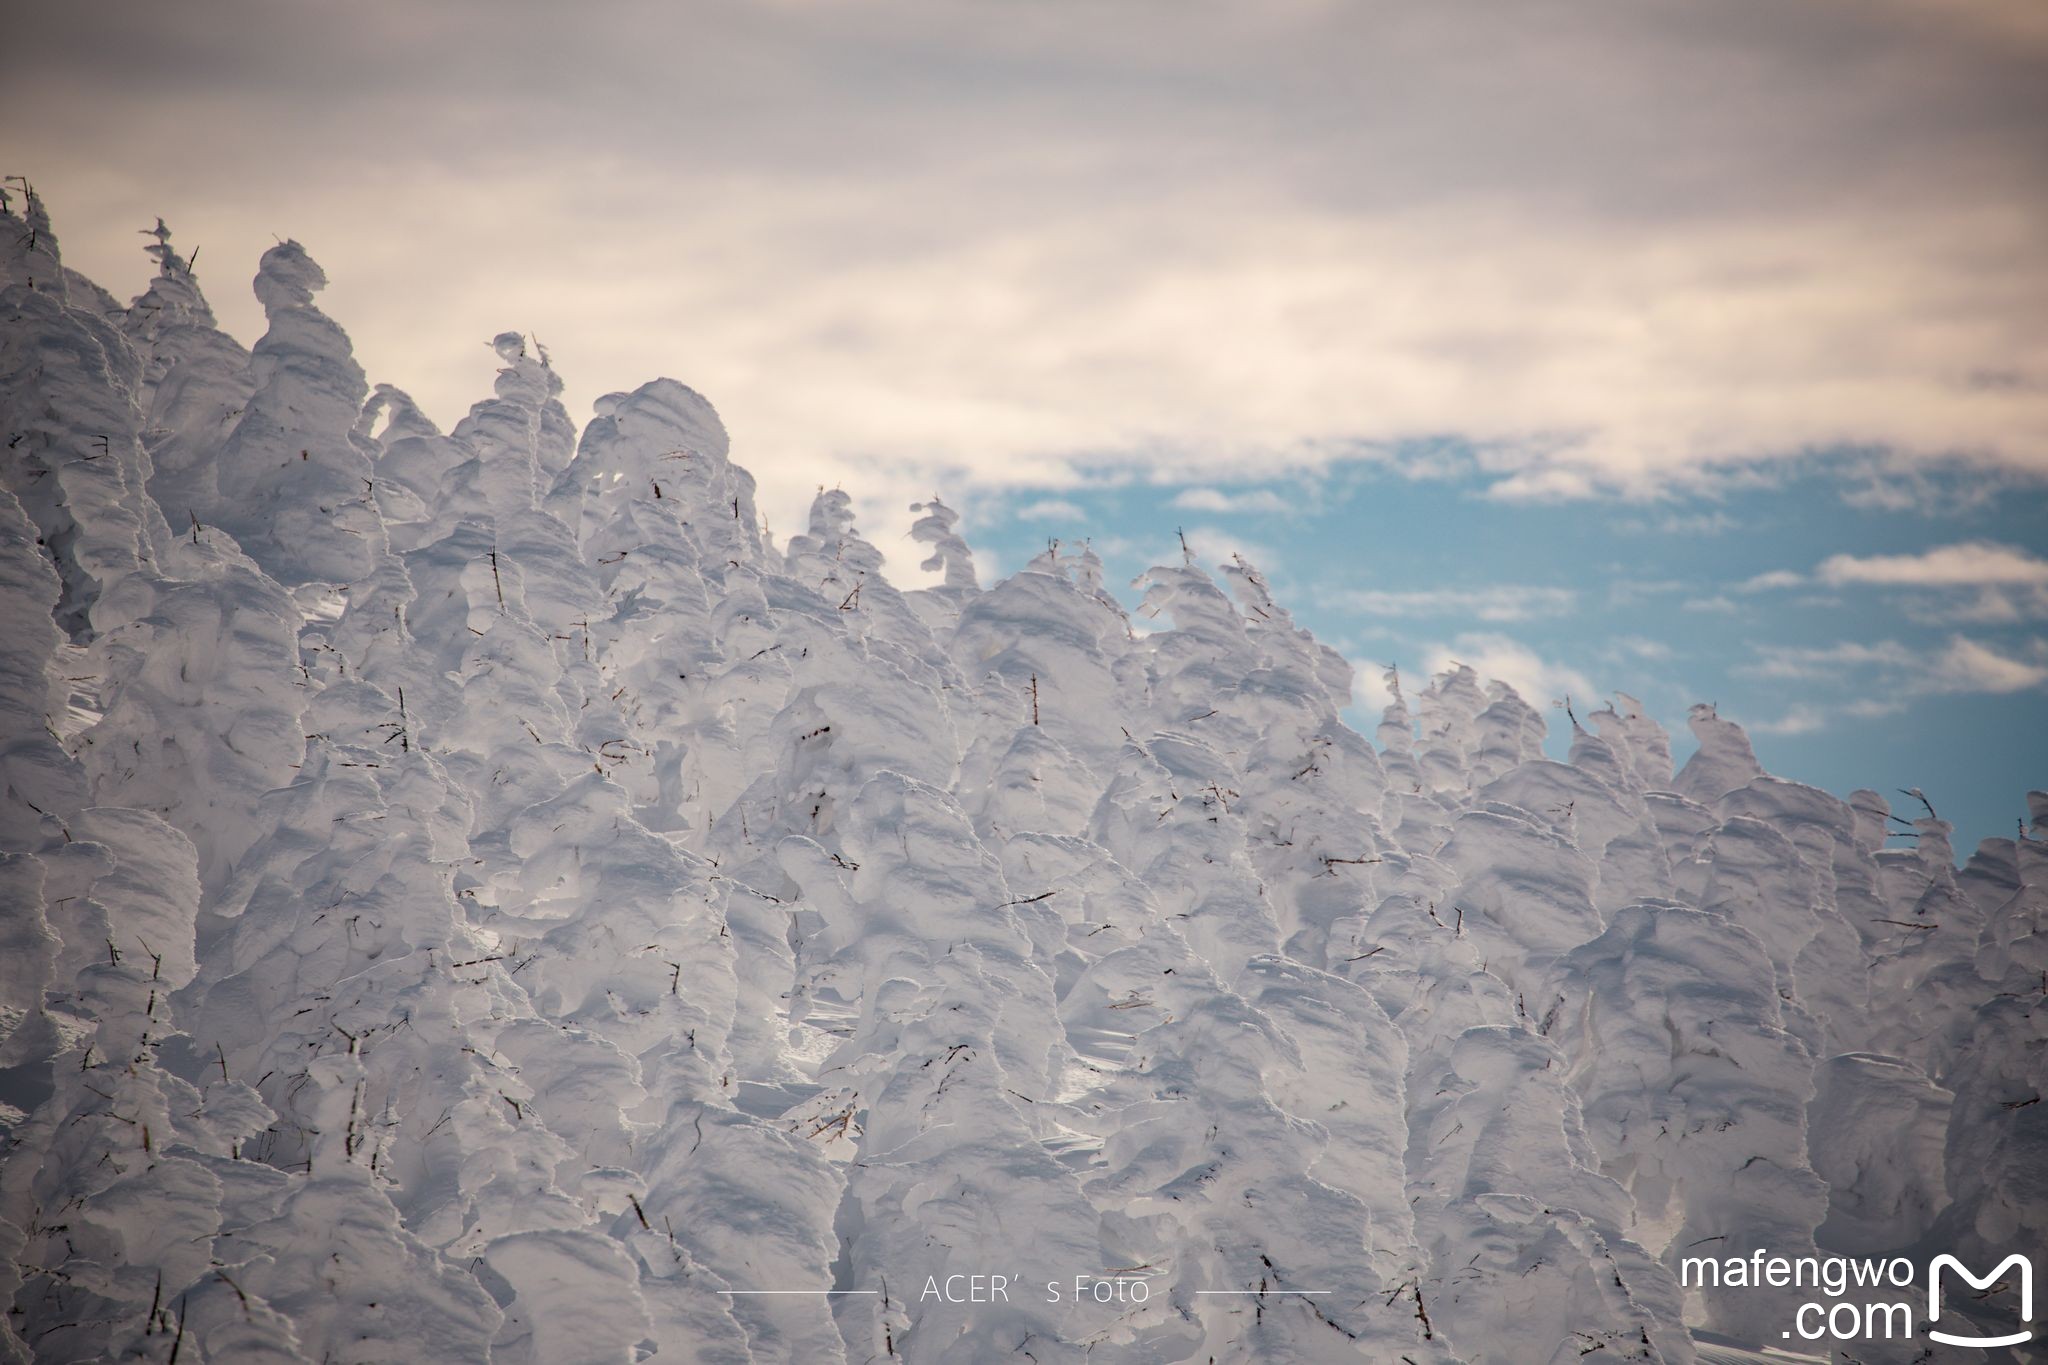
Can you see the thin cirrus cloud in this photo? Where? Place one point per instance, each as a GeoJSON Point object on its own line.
{"type": "Point", "coordinates": [1711, 523]}
{"type": "Point", "coordinates": [1256, 500]}
{"type": "Point", "coordinates": [1052, 509]}
{"type": "Point", "coordinates": [1493, 602]}
{"type": "Point", "coordinates": [1805, 718]}
{"type": "Point", "coordinates": [1978, 582]}
{"type": "Point", "coordinates": [1889, 668]}
{"type": "Point", "coordinates": [1618, 248]}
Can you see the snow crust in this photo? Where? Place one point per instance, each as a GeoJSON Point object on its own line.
{"type": "Point", "coordinates": [473, 896]}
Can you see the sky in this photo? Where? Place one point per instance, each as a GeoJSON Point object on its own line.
{"type": "Point", "coordinates": [1698, 350]}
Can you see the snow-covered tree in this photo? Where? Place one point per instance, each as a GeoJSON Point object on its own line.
{"type": "Point", "coordinates": [471, 896]}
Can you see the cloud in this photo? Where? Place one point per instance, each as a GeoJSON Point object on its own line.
{"type": "Point", "coordinates": [1494, 656]}
{"type": "Point", "coordinates": [1717, 603]}
{"type": "Point", "coordinates": [1938, 489]}
{"type": "Point", "coordinates": [1959, 665]}
{"type": "Point", "coordinates": [1005, 245]}
{"type": "Point", "coordinates": [1641, 647]}
{"type": "Point", "coordinates": [1051, 509]}
{"type": "Point", "coordinates": [1801, 718]}
{"type": "Point", "coordinates": [1971, 582]}
{"type": "Point", "coordinates": [1678, 524]}
{"type": "Point", "coordinates": [1968, 665]}
{"type": "Point", "coordinates": [1806, 662]}
{"type": "Point", "coordinates": [1985, 606]}
{"type": "Point", "coordinates": [1805, 718]}
{"type": "Point", "coordinates": [1494, 602]}
{"type": "Point", "coordinates": [1369, 691]}
{"type": "Point", "coordinates": [1215, 500]}
{"type": "Point", "coordinates": [1969, 564]}
{"type": "Point", "coordinates": [1547, 483]}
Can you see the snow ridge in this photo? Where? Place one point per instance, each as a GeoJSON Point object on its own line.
{"type": "Point", "coordinates": [472, 896]}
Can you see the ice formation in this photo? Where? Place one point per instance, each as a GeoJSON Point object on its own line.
{"type": "Point", "coordinates": [472, 896]}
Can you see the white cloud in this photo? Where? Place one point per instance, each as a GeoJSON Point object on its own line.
{"type": "Point", "coordinates": [1369, 691]}
{"type": "Point", "coordinates": [1215, 500]}
{"type": "Point", "coordinates": [1641, 647]}
{"type": "Point", "coordinates": [1960, 665]}
{"type": "Point", "coordinates": [1996, 606]}
{"type": "Point", "coordinates": [1806, 662]}
{"type": "Point", "coordinates": [1968, 665]}
{"type": "Point", "coordinates": [1717, 603]}
{"type": "Point", "coordinates": [1805, 718]}
{"type": "Point", "coordinates": [1539, 680]}
{"type": "Point", "coordinates": [1971, 582]}
{"type": "Point", "coordinates": [1678, 524]}
{"type": "Point", "coordinates": [1547, 483]}
{"type": "Point", "coordinates": [1801, 718]}
{"type": "Point", "coordinates": [1892, 485]}
{"type": "Point", "coordinates": [1051, 509]}
{"type": "Point", "coordinates": [1497, 602]}
{"type": "Point", "coordinates": [1969, 564]}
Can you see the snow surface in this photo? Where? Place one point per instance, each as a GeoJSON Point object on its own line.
{"type": "Point", "coordinates": [472, 896]}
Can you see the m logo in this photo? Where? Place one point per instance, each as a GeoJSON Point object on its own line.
{"type": "Point", "coordinates": [2026, 1297]}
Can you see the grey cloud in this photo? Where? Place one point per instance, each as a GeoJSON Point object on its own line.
{"type": "Point", "coordinates": [1617, 246]}
{"type": "Point", "coordinates": [1654, 108]}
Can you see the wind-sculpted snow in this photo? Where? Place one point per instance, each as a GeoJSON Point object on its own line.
{"type": "Point", "coordinates": [474, 896]}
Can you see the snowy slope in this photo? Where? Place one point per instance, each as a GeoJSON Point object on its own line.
{"type": "Point", "coordinates": [472, 896]}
